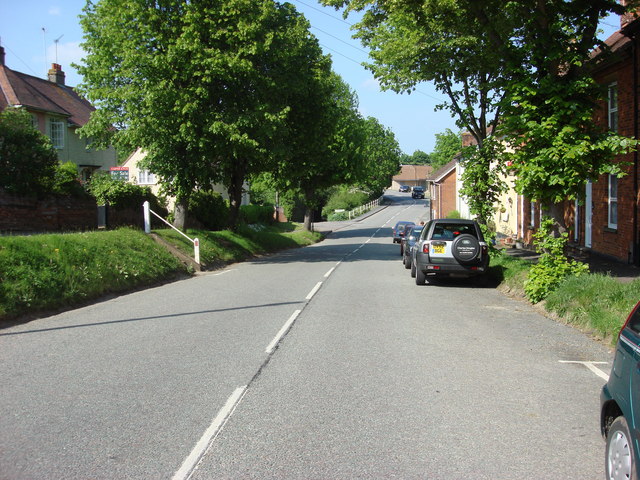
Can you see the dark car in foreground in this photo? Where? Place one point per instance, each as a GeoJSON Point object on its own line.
{"type": "Point", "coordinates": [408, 242]}
{"type": "Point", "coordinates": [418, 192]}
{"type": "Point", "coordinates": [450, 248]}
{"type": "Point", "coordinates": [620, 404]}
{"type": "Point", "coordinates": [399, 230]}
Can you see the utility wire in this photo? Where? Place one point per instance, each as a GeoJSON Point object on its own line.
{"type": "Point", "coordinates": [322, 11]}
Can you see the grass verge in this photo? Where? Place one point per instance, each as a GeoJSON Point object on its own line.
{"type": "Point", "coordinates": [48, 272]}
{"type": "Point", "coordinates": [595, 303]}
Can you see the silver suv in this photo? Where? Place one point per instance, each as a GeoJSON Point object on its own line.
{"type": "Point", "coordinates": [449, 248]}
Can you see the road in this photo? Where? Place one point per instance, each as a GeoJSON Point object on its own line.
{"type": "Point", "coordinates": [324, 362]}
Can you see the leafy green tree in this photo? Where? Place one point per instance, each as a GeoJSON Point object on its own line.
{"type": "Point", "coordinates": [381, 154]}
{"type": "Point", "coordinates": [421, 158]}
{"type": "Point", "coordinates": [204, 89]}
{"type": "Point", "coordinates": [448, 145]}
{"type": "Point", "coordinates": [27, 159]}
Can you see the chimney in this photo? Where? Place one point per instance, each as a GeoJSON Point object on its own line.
{"type": "Point", "coordinates": [1, 56]}
{"type": "Point", "coordinates": [56, 75]}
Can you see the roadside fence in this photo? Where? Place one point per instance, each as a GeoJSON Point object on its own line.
{"type": "Point", "coordinates": [364, 208]}
{"type": "Point", "coordinates": [147, 229]}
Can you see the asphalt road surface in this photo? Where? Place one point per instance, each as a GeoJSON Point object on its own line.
{"type": "Point", "coordinates": [325, 362]}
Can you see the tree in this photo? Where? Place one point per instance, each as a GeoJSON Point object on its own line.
{"type": "Point", "coordinates": [325, 141]}
{"type": "Point", "coordinates": [529, 64]}
{"type": "Point", "coordinates": [437, 41]}
{"type": "Point", "coordinates": [28, 161]}
{"type": "Point", "coordinates": [381, 154]}
{"type": "Point", "coordinates": [448, 145]}
{"type": "Point", "coordinates": [202, 88]}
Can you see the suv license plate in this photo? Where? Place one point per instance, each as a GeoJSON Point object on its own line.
{"type": "Point", "coordinates": [438, 249]}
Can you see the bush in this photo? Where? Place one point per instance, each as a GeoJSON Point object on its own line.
{"type": "Point", "coordinates": [123, 195]}
{"type": "Point", "coordinates": [553, 266]}
{"type": "Point", "coordinates": [344, 198]}
{"type": "Point", "coordinates": [66, 181]}
{"type": "Point", "coordinates": [251, 214]}
{"type": "Point", "coordinates": [210, 209]}
{"type": "Point", "coordinates": [27, 159]}
{"type": "Point", "coordinates": [453, 214]}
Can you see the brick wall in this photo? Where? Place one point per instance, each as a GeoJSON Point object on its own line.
{"type": "Point", "coordinates": [25, 214]}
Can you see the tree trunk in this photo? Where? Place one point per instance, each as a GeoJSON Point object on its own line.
{"type": "Point", "coordinates": [308, 215]}
{"type": "Point", "coordinates": [556, 211]}
{"type": "Point", "coordinates": [235, 199]}
{"type": "Point", "coordinates": [180, 212]}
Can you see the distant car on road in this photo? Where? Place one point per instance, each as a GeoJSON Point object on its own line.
{"type": "Point", "coordinates": [620, 404]}
{"type": "Point", "coordinates": [408, 242]}
{"type": "Point", "coordinates": [450, 247]}
{"type": "Point", "coordinates": [398, 230]}
{"type": "Point", "coordinates": [404, 188]}
{"type": "Point", "coordinates": [418, 192]}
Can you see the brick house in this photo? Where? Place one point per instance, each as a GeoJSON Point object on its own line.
{"type": "Point", "coordinates": [606, 222]}
{"type": "Point", "coordinates": [412, 176]}
{"type": "Point", "coordinates": [57, 111]}
{"type": "Point", "coordinates": [445, 183]}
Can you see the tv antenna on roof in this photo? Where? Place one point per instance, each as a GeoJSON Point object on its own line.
{"type": "Point", "coordinates": [56, 42]}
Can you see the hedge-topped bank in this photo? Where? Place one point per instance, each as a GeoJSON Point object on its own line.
{"type": "Point", "coordinates": [45, 272]}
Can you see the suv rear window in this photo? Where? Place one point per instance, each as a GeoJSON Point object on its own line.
{"type": "Point", "coordinates": [449, 231]}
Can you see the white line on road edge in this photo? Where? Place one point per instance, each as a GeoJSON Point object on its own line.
{"type": "Point", "coordinates": [222, 273]}
{"type": "Point", "coordinates": [205, 442]}
{"type": "Point", "coordinates": [285, 328]}
{"type": "Point", "coordinates": [591, 366]}
{"type": "Point", "coordinates": [313, 291]}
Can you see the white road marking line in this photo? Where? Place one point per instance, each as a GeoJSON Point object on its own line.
{"type": "Point", "coordinates": [205, 442]}
{"type": "Point", "coordinates": [222, 273]}
{"type": "Point", "coordinates": [313, 291]}
{"type": "Point", "coordinates": [326, 275]}
{"type": "Point", "coordinates": [367, 241]}
{"type": "Point", "coordinates": [285, 328]}
{"type": "Point", "coordinates": [591, 366]}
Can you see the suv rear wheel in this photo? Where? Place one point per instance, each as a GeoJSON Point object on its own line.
{"type": "Point", "coordinates": [465, 248]}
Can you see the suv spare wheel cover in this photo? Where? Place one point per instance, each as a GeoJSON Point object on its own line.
{"type": "Point", "coordinates": [465, 248]}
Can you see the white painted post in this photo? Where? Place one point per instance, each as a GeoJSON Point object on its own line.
{"type": "Point", "coordinates": [147, 218]}
{"type": "Point", "coordinates": [196, 250]}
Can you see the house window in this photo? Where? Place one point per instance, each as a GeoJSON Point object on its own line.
{"type": "Point", "coordinates": [532, 219]}
{"type": "Point", "coordinates": [613, 202]}
{"type": "Point", "coordinates": [34, 122]}
{"type": "Point", "coordinates": [612, 107]}
{"type": "Point", "coordinates": [56, 132]}
{"type": "Point", "coordinates": [146, 178]}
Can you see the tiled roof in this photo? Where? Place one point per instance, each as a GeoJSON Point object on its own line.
{"type": "Point", "coordinates": [444, 170]}
{"type": "Point", "coordinates": [413, 172]}
{"type": "Point", "coordinates": [39, 94]}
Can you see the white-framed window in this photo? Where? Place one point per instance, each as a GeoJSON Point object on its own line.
{"type": "Point", "coordinates": [612, 107]}
{"type": "Point", "coordinates": [613, 202]}
{"type": "Point", "coordinates": [34, 122]}
{"type": "Point", "coordinates": [146, 178]}
{"type": "Point", "coordinates": [56, 132]}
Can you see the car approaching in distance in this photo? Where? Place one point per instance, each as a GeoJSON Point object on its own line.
{"type": "Point", "coordinates": [399, 230]}
{"type": "Point", "coordinates": [404, 188]}
{"type": "Point", "coordinates": [620, 404]}
{"type": "Point", "coordinates": [450, 247]}
{"type": "Point", "coordinates": [408, 242]}
{"type": "Point", "coordinates": [418, 192]}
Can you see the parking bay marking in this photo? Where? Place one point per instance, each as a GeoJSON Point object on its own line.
{"type": "Point", "coordinates": [591, 366]}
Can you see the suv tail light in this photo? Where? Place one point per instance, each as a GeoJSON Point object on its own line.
{"type": "Point", "coordinates": [425, 247]}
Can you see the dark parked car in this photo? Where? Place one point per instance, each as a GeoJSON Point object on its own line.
{"type": "Point", "coordinates": [398, 230]}
{"type": "Point", "coordinates": [408, 243]}
{"type": "Point", "coordinates": [450, 248]}
{"type": "Point", "coordinates": [620, 404]}
{"type": "Point", "coordinates": [418, 192]}
{"type": "Point", "coordinates": [404, 188]}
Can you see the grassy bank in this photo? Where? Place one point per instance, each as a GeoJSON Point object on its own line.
{"type": "Point", "coordinates": [46, 272]}
{"type": "Point", "coordinates": [596, 303]}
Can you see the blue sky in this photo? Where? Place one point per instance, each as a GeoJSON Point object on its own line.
{"type": "Point", "coordinates": [36, 33]}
